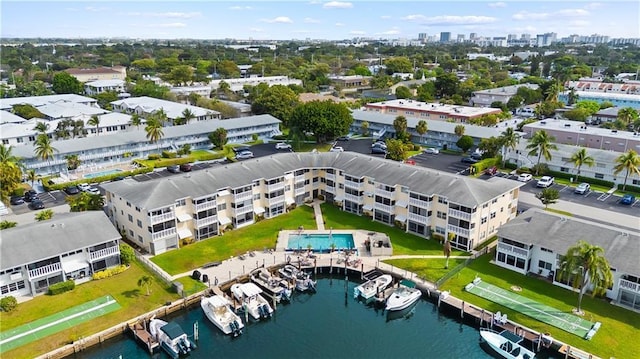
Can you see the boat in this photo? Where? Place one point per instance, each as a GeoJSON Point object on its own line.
{"type": "Point", "coordinates": [249, 296]}
{"type": "Point", "coordinates": [372, 287]}
{"type": "Point", "coordinates": [403, 296]}
{"type": "Point", "coordinates": [171, 337]}
{"type": "Point", "coordinates": [506, 344]}
{"type": "Point", "coordinates": [272, 284]}
{"type": "Point", "coordinates": [302, 279]}
{"type": "Point", "coordinates": [218, 310]}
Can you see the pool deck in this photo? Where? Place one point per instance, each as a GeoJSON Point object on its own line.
{"type": "Point", "coordinates": [359, 237]}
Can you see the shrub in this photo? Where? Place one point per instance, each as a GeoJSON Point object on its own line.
{"type": "Point", "coordinates": [109, 177]}
{"type": "Point", "coordinates": [109, 272]}
{"type": "Point", "coordinates": [153, 156]}
{"type": "Point", "coordinates": [61, 287]}
{"type": "Point", "coordinates": [630, 188]}
{"type": "Point", "coordinates": [169, 154]}
{"type": "Point", "coordinates": [416, 147]}
{"type": "Point", "coordinates": [8, 304]}
{"type": "Point", "coordinates": [484, 164]}
{"type": "Point", "coordinates": [127, 255]}
{"type": "Point", "coordinates": [438, 237]}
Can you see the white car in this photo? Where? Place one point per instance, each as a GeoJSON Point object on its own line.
{"type": "Point", "coordinates": [431, 150]}
{"type": "Point", "coordinates": [545, 181]}
{"type": "Point", "coordinates": [84, 186]}
{"type": "Point", "coordinates": [244, 155]}
{"type": "Point", "coordinates": [336, 149]}
{"type": "Point", "coordinates": [283, 146]}
{"type": "Point", "coordinates": [93, 190]}
{"type": "Point", "coordinates": [525, 177]}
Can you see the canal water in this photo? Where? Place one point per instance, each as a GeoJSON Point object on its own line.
{"type": "Point", "coordinates": [326, 324]}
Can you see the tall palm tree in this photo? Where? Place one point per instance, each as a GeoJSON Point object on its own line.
{"type": "Point", "coordinates": [32, 177]}
{"type": "Point", "coordinates": [400, 126]}
{"type": "Point", "coordinates": [187, 116]}
{"type": "Point", "coordinates": [11, 168]}
{"type": "Point", "coordinates": [540, 144]}
{"type": "Point", "coordinates": [78, 128]}
{"type": "Point", "coordinates": [422, 128]}
{"type": "Point", "coordinates": [630, 162]}
{"type": "Point", "coordinates": [583, 264]}
{"type": "Point", "coordinates": [627, 115]}
{"type": "Point", "coordinates": [509, 139]}
{"type": "Point", "coordinates": [95, 121]}
{"type": "Point", "coordinates": [135, 120]}
{"type": "Point", "coordinates": [553, 91]}
{"type": "Point", "coordinates": [459, 130]}
{"type": "Point", "coordinates": [154, 131]}
{"type": "Point", "coordinates": [41, 127]}
{"type": "Point", "coordinates": [44, 150]}
{"type": "Point", "coordinates": [73, 161]}
{"type": "Point", "coordinates": [145, 280]}
{"type": "Point", "coordinates": [579, 158]}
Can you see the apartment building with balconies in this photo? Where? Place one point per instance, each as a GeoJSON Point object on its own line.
{"type": "Point", "coordinates": [68, 246]}
{"type": "Point", "coordinates": [158, 214]}
{"type": "Point", "coordinates": [430, 111]}
{"type": "Point", "coordinates": [536, 241]}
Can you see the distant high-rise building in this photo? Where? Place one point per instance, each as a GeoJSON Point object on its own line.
{"type": "Point", "coordinates": [473, 36]}
{"type": "Point", "coordinates": [460, 38]}
{"type": "Point", "coordinates": [422, 37]}
{"type": "Point", "coordinates": [445, 36]}
{"type": "Point", "coordinates": [512, 37]}
{"type": "Point", "coordinates": [546, 39]}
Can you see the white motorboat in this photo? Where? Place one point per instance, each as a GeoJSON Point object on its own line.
{"type": "Point", "coordinates": [273, 285]}
{"type": "Point", "coordinates": [405, 295]}
{"type": "Point", "coordinates": [219, 312]}
{"type": "Point", "coordinates": [372, 287]}
{"type": "Point", "coordinates": [171, 337]}
{"type": "Point", "coordinates": [506, 344]}
{"type": "Point", "coordinates": [249, 295]}
{"type": "Point", "coordinates": [302, 279]}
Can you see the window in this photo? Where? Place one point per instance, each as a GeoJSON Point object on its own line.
{"type": "Point", "coordinates": [222, 206]}
{"type": "Point", "coordinates": [181, 202]}
{"type": "Point", "coordinates": [493, 215]}
{"type": "Point", "coordinates": [442, 200]}
{"type": "Point", "coordinates": [483, 220]}
{"type": "Point", "coordinates": [440, 230]}
{"type": "Point", "coordinates": [131, 233]}
{"type": "Point", "coordinates": [544, 265]}
{"type": "Point", "coordinates": [140, 223]}
{"type": "Point", "coordinates": [599, 176]}
{"type": "Point", "coordinates": [442, 215]}
{"type": "Point", "coordinates": [130, 218]}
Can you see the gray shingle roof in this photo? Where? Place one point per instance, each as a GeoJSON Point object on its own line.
{"type": "Point", "coordinates": [164, 191]}
{"type": "Point", "coordinates": [559, 233]}
{"type": "Point", "coordinates": [63, 233]}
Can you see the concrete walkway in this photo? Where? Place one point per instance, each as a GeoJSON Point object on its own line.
{"type": "Point", "coordinates": [318, 213]}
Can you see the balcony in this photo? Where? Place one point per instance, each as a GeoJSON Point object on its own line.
{"type": "Point", "coordinates": [329, 189]}
{"type": "Point", "coordinates": [512, 249]}
{"type": "Point", "coordinates": [43, 271]}
{"type": "Point", "coordinates": [632, 286]}
{"type": "Point", "coordinates": [418, 218]}
{"type": "Point", "coordinates": [275, 187]}
{"type": "Point", "coordinates": [458, 230]}
{"type": "Point", "coordinates": [103, 253]}
{"type": "Point", "coordinates": [206, 205]}
{"type": "Point", "coordinates": [244, 196]}
{"type": "Point", "coordinates": [275, 200]}
{"type": "Point", "coordinates": [162, 218]}
{"type": "Point", "coordinates": [384, 193]}
{"type": "Point", "coordinates": [299, 191]}
{"type": "Point", "coordinates": [330, 177]}
{"type": "Point", "coordinates": [459, 214]}
{"type": "Point", "coordinates": [383, 207]}
{"type": "Point", "coordinates": [353, 198]}
{"type": "Point", "coordinates": [352, 184]}
{"type": "Point", "coordinates": [300, 178]}
{"type": "Point", "coordinates": [242, 210]}
{"type": "Point", "coordinates": [163, 234]}
{"type": "Point", "coordinates": [419, 203]}
{"type": "Point", "coordinates": [206, 221]}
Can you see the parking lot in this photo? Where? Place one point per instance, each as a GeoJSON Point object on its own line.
{"type": "Point", "coordinates": [50, 199]}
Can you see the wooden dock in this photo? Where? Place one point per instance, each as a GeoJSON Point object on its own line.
{"type": "Point", "coordinates": [139, 330]}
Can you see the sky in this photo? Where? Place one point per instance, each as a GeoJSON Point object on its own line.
{"type": "Point", "coordinates": [314, 19]}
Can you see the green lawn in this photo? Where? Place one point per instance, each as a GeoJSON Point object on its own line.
{"type": "Point", "coordinates": [403, 243]}
{"type": "Point", "coordinates": [430, 269]}
{"type": "Point", "coordinates": [618, 324]}
{"type": "Point", "coordinates": [191, 286]}
{"type": "Point", "coordinates": [309, 146]}
{"type": "Point", "coordinates": [123, 287]}
{"type": "Point", "coordinates": [255, 237]}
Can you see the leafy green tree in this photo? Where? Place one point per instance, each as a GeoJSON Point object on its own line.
{"type": "Point", "coordinates": [187, 115]}
{"type": "Point", "coordinates": [400, 126]}
{"type": "Point", "coordinates": [77, 129]}
{"type": "Point", "coordinates": [459, 130]}
{"type": "Point", "coordinates": [396, 150]}
{"type": "Point", "coordinates": [606, 104]}
{"type": "Point", "coordinates": [447, 84]}
{"type": "Point", "coordinates": [228, 69]}
{"type": "Point", "coordinates": [465, 143]}
{"type": "Point", "coordinates": [7, 224]}
{"type": "Point", "coordinates": [577, 114]}
{"type": "Point", "coordinates": [218, 137]}
{"type": "Point", "coordinates": [548, 196]}
{"type": "Point", "coordinates": [64, 83]}
{"type": "Point", "coordinates": [106, 98]}
{"type": "Point", "coordinates": [628, 162]}
{"type": "Point", "coordinates": [127, 254]}
{"type": "Point", "coordinates": [589, 105]}
{"type": "Point", "coordinates": [572, 96]}
{"type": "Point", "coordinates": [8, 304]}
{"type": "Point", "coordinates": [44, 215]}
{"type": "Point", "coordinates": [85, 201]}
{"type": "Point", "coordinates": [361, 70]}
{"type": "Point", "coordinates": [541, 144]}
{"type": "Point", "coordinates": [32, 177]}
{"type": "Point", "coordinates": [325, 119]}
{"type": "Point", "coordinates": [509, 140]}
{"type": "Point", "coordinates": [26, 111]}
{"type": "Point", "coordinates": [150, 89]}
{"type": "Point", "coordinates": [154, 130]}
{"type": "Point", "coordinates": [180, 75]}
{"type": "Point", "coordinates": [146, 281]}
{"type": "Point", "coordinates": [580, 158]}
{"type": "Point", "coordinates": [514, 102]}
{"type": "Point", "coordinates": [490, 146]}
{"type": "Point", "coordinates": [95, 121]}
{"type": "Point", "coordinates": [422, 128]}
{"type": "Point", "coordinates": [585, 264]}
{"type": "Point", "coordinates": [426, 92]}
{"type": "Point", "coordinates": [41, 127]}
{"type": "Point", "coordinates": [279, 101]}
{"type": "Point", "coordinates": [403, 92]}
{"type": "Point", "coordinates": [10, 172]}
{"type": "Point", "coordinates": [627, 115]}
{"type": "Point", "coordinates": [364, 128]}
{"type": "Point", "coordinates": [135, 120]}
{"type": "Point", "coordinates": [144, 65]}
{"type": "Point", "coordinates": [398, 64]}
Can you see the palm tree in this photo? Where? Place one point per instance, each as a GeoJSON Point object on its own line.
{"type": "Point", "coordinates": [187, 116]}
{"type": "Point", "coordinates": [10, 171]}
{"type": "Point", "coordinates": [41, 127]}
{"type": "Point", "coordinates": [154, 131]}
{"type": "Point", "coordinates": [459, 130]}
{"type": "Point", "coordinates": [629, 161]}
{"type": "Point", "coordinates": [78, 128]}
{"type": "Point", "coordinates": [446, 249]}
{"type": "Point", "coordinates": [583, 264]}
{"type": "Point", "coordinates": [146, 281]}
{"type": "Point", "coordinates": [73, 161]}
{"type": "Point", "coordinates": [135, 120]}
{"type": "Point", "coordinates": [579, 158]}
{"type": "Point", "coordinates": [509, 139]}
{"type": "Point", "coordinates": [422, 128]}
{"type": "Point", "coordinates": [553, 91]}
{"type": "Point", "coordinates": [364, 128]}
{"type": "Point", "coordinates": [627, 115]}
{"type": "Point", "coordinates": [541, 144]}
{"type": "Point", "coordinates": [95, 121]}
{"type": "Point", "coordinates": [32, 177]}
{"type": "Point", "coordinates": [400, 126]}
{"type": "Point", "coordinates": [44, 150]}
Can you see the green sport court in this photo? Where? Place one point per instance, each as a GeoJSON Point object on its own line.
{"type": "Point", "coordinates": [44, 327]}
{"type": "Point", "coordinates": [565, 321]}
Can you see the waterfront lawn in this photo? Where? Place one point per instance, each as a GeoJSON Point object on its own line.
{"type": "Point", "coordinates": [123, 287]}
{"type": "Point", "coordinates": [403, 243]}
{"type": "Point", "coordinates": [429, 269]}
{"type": "Point", "coordinates": [191, 286]}
{"type": "Point", "coordinates": [611, 340]}
{"type": "Point", "coordinates": [255, 237]}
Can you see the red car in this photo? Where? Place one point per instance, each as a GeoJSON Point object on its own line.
{"type": "Point", "coordinates": [491, 171]}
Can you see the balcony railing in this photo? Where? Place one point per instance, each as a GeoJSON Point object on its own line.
{"type": "Point", "coordinates": [384, 207]}
{"type": "Point", "coordinates": [353, 184]}
{"type": "Point", "coordinates": [206, 205]}
{"type": "Point", "coordinates": [163, 234]}
{"type": "Point", "coordinates": [275, 187]}
{"type": "Point", "coordinates": [42, 271]}
{"type": "Point", "coordinates": [206, 221]}
{"type": "Point", "coordinates": [330, 189]}
{"type": "Point", "coordinates": [458, 230]}
{"type": "Point", "coordinates": [242, 210]}
{"type": "Point", "coordinates": [625, 284]}
{"type": "Point", "coordinates": [353, 198]}
{"type": "Point", "coordinates": [417, 218]}
{"type": "Point", "coordinates": [162, 217]}
{"type": "Point", "coordinates": [300, 178]}
{"type": "Point", "coordinates": [299, 191]}
{"type": "Point", "coordinates": [244, 196]}
{"type": "Point", "coordinates": [275, 200]}
{"type": "Point", "coordinates": [459, 214]}
{"type": "Point", "coordinates": [512, 249]}
{"type": "Point", "coordinates": [330, 177]}
{"type": "Point", "coordinates": [419, 203]}
{"type": "Point", "coordinates": [106, 252]}
{"type": "Point", "coordinates": [384, 193]}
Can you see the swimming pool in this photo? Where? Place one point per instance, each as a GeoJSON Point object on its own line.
{"type": "Point", "coordinates": [100, 174]}
{"type": "Point", "coordinates": [320, 242]}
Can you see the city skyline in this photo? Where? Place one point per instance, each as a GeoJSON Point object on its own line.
{"type": "Point", "coordinates": [327, 20]}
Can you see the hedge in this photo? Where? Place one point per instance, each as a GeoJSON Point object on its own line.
{"type": "Point", "coordinates": [630, 188]}
{"type": "Point", "coordinates": [61, 287]}
{"type": "Point", "coordinates": [109, 177]}
{"type": "Point", "coordinates": [568, 176]}
{"type": "Point", "coordinates": [485, 163]}
{"type": "Point", "coordinates": [109, 272]}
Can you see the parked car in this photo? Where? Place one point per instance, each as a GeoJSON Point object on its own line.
{"type": "Point", "coordinates": [185, 167]}
{"type": "Point", "coordinates": [84, 187]}
{"type": "Point", "coordinates": [30, 195]}
{"type": "Point", "coordinates": [117, 178]}
{"type": "Point", "coordinates": [582, 188]}
{"type": "Point", "coordinates": [93, 190]}
{"type": "Point", "coordinates": [244, 155]}
{"type": "Point", "coordinates": [431, 151]}
{"type": "Point", "coordinates": [16, 200]}
{"type": "Point", "coordinates": [71, 190]}
{"type": "Point", "coordinates": [628, 199]}
{"type": "Point", "coordinates": [36, 204]}
{"type": "Point", "coordinates": [379, 144]}
{"type": "Point", "coordinates": [342, 138]}
{"type": "Point", "coordinates": [525, 177]}
{"type": "Point", "coordinates": [545, 181]}
{"type": "Point", "coordinates": [241, 149]}
{"type": "Point", "coordinates": [468, 159]}
{"type": "Point", "coordinates": [476, 156]}
{"type": "Point", "coordinates": [283, 146]}
{"type": "Point", "coordinates": [173, 168]}
{"type": "Point", "coordinates": [378, 150]}
{"type": "Point", "coordinates": [336, 149]}
{"type": "Point", "coordinates": [491, 171]}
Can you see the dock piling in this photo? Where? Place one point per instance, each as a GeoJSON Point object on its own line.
{"type": "Point", "coordinates": [462, 310]}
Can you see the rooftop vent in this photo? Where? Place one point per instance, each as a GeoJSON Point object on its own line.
{"type": "Point", "coordinates": [543, 122]}
{"type": "Point", "coordinates": [614, 131]}
{"type": "Point", "coordinates": [567, 125]}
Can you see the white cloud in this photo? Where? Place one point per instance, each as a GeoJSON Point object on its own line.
{"type": "Point", "coordinates": [593, 6]}
{"type": "Point", "coordinates": [572, 13]}
{"type": "Point", "coordinates": [337, 5]}
{"type": "Point", "coordinates": [167, 25]}
{"type": "Point", "coordinates": [525, 29]}
{"type": "Point", "coordinates": [459, 20]}
{"type": "Point", "coordinates": [96, 9]}
{"type": "Point", "coordinates": [339, 24]}
{"type": "Point", "coordinates": [357, 32]}
{"type": "Point", "coordinates": [560, 14]}
{"type": "Point", "coordinates": [237, 8]}
{"type": "Point", "coordinates": [171, 15]}
{"type": "Point", "coordinates": [497, 4]}
{"type": "Point", "coordinates": [393, 31]}
{"type": "Point", "coordinates": [579, 23]}
{"type": "Point", "coordinates": [415, 17]}
{"type": "Point", "coordinates": [279, 20]}
{"type": "Point", "coordinates": [256, 29]}
{"type": "Point", "coordinates": [385, 17]}
{"type": "Point", "coordinates": [310, 20]}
